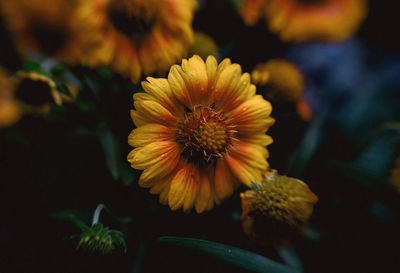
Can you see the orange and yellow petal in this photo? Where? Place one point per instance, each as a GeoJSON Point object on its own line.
{"type": "Point", "coordinates": [328, 20]}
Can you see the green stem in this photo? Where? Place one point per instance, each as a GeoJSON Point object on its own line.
{"type": "Point", "coordinates": [96, 214]}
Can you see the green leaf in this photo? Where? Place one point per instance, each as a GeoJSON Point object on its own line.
{"type": "Point", "coordinates": [111, 152]}
{"type": "Point", "coordinates": [31, 66]}
{"type": "Point", "coordinates": [306, 149]}
{"type": "Point", "coordinates": [233, 255]}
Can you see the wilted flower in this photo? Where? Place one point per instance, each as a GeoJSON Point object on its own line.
{"type": "Point", "coordinates": [35, 91]}
{"type": "Point", "coordinates": [57, 28]}
{"type": "Point", "coordinates": [98, 238]}
{"type": "Point", "coordinates": [200, 133]}
{"type": "Point", "coordinates": [203, 46]}
{"type": "Point", "coordinates": [276, 209]}
{"type": "Point", "coordinates": [326, 20]}
{"type": "Point", "coordinates": [142, 36]}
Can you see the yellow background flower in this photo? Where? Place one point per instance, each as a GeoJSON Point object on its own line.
{"type": "Point", "coordinates": [200, 133]}
{"type": "Point", "coordinates": [35, 91]}
{"type": "Point", "coordinates": [279, 79]}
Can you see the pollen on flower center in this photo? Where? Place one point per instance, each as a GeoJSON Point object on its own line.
{"type": "Point", "coordinates": [204, 135]}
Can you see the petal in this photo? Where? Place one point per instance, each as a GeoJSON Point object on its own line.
{"type": "Point", "coordinates": [248, 162]}
{"type": "Point", "coordinates": [204, 194]}
{"type": "Point", "coordinates": [160, 90]}
{"type": "Point", "coordinates": [260, 139]}
{"type": "Point", "coordinates": [225, 88]}
{"type": "Point", "coordinates": [180, 185]}
{"type": "Point", "coordinates": [138, 119]}
{"type": "Point", "coordinates": [253, 116]}
{"type": "Point", "coordinates": [178, 86]}
{"type": "Point", "coordinates": [144, 157]}
{"type": "Point", "coordinates": [224, 180]}
{"type": "Point", "coordinates": [148, 133]}
{"type": "Point", "coordinates": [160, 169]}
{"type": "Point", "coordinates": [154, 112]}
{"type": "Point", "coordinates": [195, 74]}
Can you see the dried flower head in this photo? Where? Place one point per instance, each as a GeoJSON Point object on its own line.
{"type": "Point", "coordinates": [277, 208]}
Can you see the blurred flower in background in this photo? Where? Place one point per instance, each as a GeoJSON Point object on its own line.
{"type": "Point", "coordinates": [141, 36]}
{"type": "Point", "coordinates": [35, 91]}
{"type": "Point", "coordinates": [280, 80]}
{"type": "Point", "coordinates": [200, 133]}
{"type": "Point", "coordinates": [56, 28]}
{"type": "Point", "coordinates": [326, 20]}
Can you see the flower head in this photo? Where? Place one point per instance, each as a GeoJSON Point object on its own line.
{"type": "Point", "coordinates": [199, 133]}
{"type": "Point", "coordinates": [57, 28]}
{"type": "Point", "coordinates": [142, 36]}
{"type": "Point", "coordinates": [303, 20]}
{"type": "Point", "coordinates": [277, 208]}
{"type": "Point", "coordinates": [35, 91]}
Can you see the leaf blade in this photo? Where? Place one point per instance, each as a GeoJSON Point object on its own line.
{"type": "Point", "coordinates": [233, 255]}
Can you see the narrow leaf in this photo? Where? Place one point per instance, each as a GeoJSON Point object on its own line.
{"type": "Point", "coordinates": [233, 255]}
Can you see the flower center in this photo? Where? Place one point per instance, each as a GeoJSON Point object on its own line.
{"type": "Point", "coordinates": [204, 135]}
{"type": "Point", "coordinates": [33, 92]}
{"type": "Point", "coordinates": [50, 38]}
{"type": "Point", "coordinates": [132, 18]}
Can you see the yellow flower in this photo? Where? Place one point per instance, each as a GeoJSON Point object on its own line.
{"type": "Point", "coordinates": [280, 80]}
{"type": "Point", "coordinates": [327, 20]}
{"type": "Point", "coordinates": [276, 209]}
{"type": "Point", "coordinates": [142, 36]}
{"type": "Point", "coordinates": [203, 46]}
{"type": "Point", "coordinates": [57, 28]}
{"type": "Point", "coordinates": [199, 133]}
{"type": "Point", "coordinates": [251, 11]}
{"type": "Point", "coordinates": [9, 109]}
{"type": "Point", "coordinates": [35, 91]}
